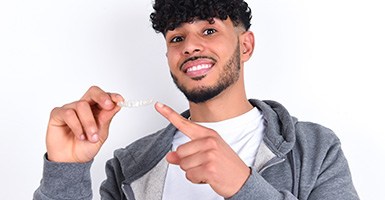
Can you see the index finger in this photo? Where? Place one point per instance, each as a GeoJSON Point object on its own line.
{"type": "Point", "coordinates": [189, 128]}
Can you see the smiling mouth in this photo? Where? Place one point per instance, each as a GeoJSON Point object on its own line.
{"type": "Point", "coordinates": [197, 67]}
{"type": "Point", "coordinates": [198, 72]}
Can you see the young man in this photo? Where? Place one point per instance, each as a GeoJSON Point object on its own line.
{"type": "Point", "coordinates": [224, 146]}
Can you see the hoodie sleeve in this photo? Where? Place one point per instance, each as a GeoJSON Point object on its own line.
{"type": "Point", "coordinates": [256, 187]}
{"type": "Point", "coordinates": [324, 176]}
{"type": "Point", "coordinates": [64, 181]}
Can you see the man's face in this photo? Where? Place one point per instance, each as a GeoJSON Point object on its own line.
{"type": "Point", "coordinates": [204, 58]}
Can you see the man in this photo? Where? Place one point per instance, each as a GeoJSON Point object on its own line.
{"type": "Point", "coordinates": [224, 146]}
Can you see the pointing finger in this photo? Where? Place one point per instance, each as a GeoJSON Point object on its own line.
{"type": "Point", "coordinates": [190, 129]}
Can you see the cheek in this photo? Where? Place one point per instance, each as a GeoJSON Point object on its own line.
{"type": "Point", "coordinates": [172, 59]}
{"type": "Point", "coordinates": [224, 47]}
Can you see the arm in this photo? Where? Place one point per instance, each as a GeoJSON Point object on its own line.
{"type": "Point", "coordinates": [75, 134]}
{"type": "Point", "coordinates": [65, 181]}
{"type": "Point", "coordinates": [256, 187]}
{"type": "Point", "coordinates": [208, 159]}
{"type": "Point", "coordinates": [329, 180]}
{"type": "Point", "coordinates": [334, 180]}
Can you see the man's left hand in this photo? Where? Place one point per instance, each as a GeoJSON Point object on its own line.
{"type": "Point", "coordinates": [207, 158]}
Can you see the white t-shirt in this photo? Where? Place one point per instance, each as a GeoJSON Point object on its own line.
{"type": "Point", "coordinates": [243, 133]}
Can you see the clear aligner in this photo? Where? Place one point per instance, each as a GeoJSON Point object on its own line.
{"type": "Point", "coordinates": [134, 103]}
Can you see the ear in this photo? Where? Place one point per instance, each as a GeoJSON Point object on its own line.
{"type": "Point", "coordinates": [246, 45]}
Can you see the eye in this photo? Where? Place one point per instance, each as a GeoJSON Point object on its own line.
{"type": "Point", "coordinates": [176, 39]}
{"type": "Point", "coordinates": [209, 31]}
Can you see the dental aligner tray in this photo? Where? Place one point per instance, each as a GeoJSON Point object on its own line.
{"type": "Point", "coordinates": [135, 103]}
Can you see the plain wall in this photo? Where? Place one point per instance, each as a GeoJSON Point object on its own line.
{"type": "Point", "coordinates": [321, 59]}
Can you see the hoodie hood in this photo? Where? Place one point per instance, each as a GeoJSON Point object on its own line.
{"type": "Point", "coordinates": [279, 126]}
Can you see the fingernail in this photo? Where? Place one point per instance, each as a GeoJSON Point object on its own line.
{"type": "Point", "coordinates": [160, 105]}
{"type": "Point", "coordinates": [82, 137]}
{"type": "Point", "coordinates": [94, 138]}
{"type": "Point", "coordinates": [108, 102]}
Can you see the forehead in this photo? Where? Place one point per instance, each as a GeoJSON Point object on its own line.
{"type": "Point", "coordinates": [216, 22]}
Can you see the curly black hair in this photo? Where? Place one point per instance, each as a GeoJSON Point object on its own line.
{"type": "Point", "coordinates": [169, 14]}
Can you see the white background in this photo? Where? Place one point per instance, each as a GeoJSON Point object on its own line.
{"type": "Point", "coordinates": [321, 59]}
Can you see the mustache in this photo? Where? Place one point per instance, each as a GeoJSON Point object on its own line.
{"type": "Point", "coordinates": [196, 58]}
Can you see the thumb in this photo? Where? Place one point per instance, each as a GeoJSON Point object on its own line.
{"type": "Point", "coordinates": [105, 115]}
{"type": "Point", "coordinates": [173, 158]}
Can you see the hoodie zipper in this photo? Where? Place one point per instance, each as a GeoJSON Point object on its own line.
{"type": "Point", "coordinates": [271, 163]}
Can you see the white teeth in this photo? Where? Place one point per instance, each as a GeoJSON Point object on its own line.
{"type": "Point", "coordinates": [198, 67]}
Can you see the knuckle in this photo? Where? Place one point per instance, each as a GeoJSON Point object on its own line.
{"type": "Point", "coordinates": [179, 149]}
{"type": "Point", "coordinates": [54, 111]}
{"type": "Point", "coordinates": [81, 104]}
{"type": "Point", "coordinates": [211, 132]}
{"type": "Point", "coordinates": [183, 166]}
{"type": "Point", "coordinates": [94, 88]}
{"type": "Point", "coordinates": [211, 155]}
{"type": "Point", "coordinates": [211, 142]}
{"type": "Point", "coordinates": [190, 176]}
{"type": "Point", "coordinates": [68, 113]}
{"type": "Point", "coordinates": [210, 168]}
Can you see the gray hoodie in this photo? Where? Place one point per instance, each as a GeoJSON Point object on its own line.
{"type": "Point", "coordinates": [296, 160]}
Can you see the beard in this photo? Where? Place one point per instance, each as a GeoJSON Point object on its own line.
{"type": "Point", "coordinates": [228, 76]}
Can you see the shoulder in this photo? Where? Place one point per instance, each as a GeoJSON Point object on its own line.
{"type": "Point", "coordinates": [314, 133]}
{"type": "Point", "coordinates": [317, 144]}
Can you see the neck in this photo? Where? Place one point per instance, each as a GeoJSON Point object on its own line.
{"type": "Point", "coordinates": [232, 102]}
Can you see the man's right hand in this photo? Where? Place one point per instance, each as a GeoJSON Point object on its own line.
{"type": "Point", "coordinates": [77, 131]}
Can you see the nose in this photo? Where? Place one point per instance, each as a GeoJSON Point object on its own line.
{"type": "Point", "coordinates": [192, 44]}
